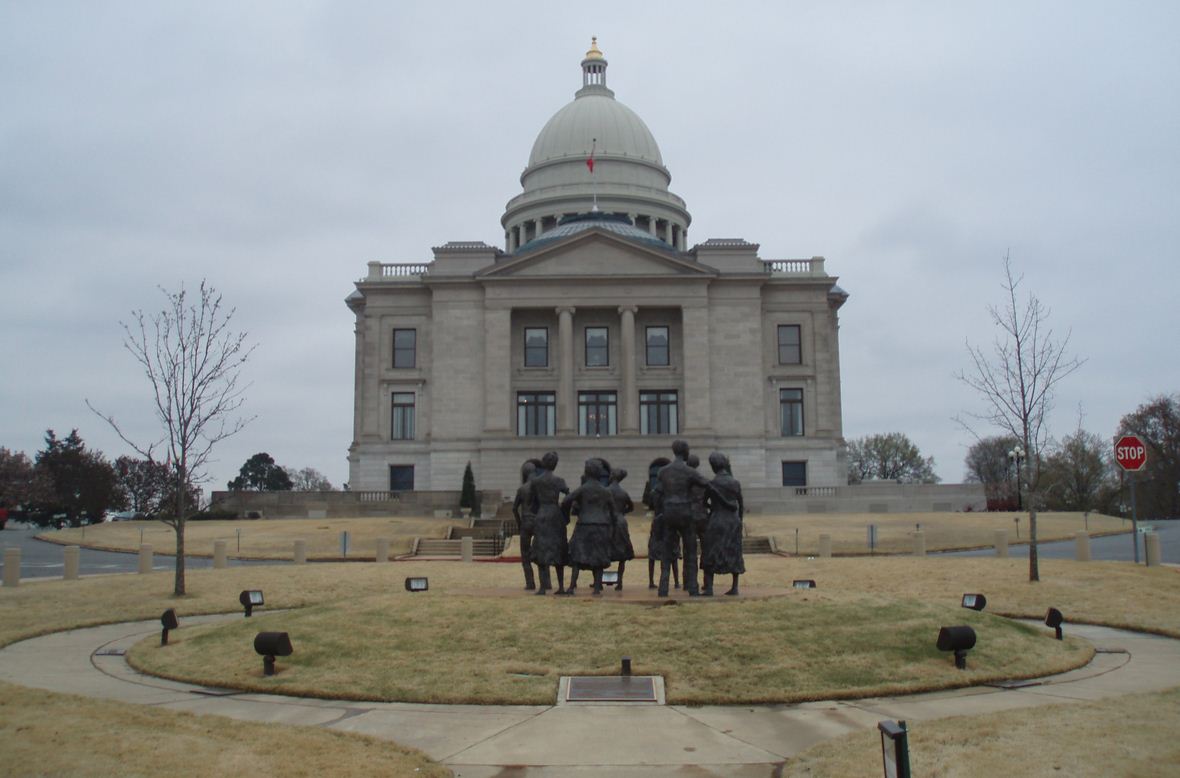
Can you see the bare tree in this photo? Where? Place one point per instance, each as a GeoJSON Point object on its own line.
{"type": "Point", "coordinates": [193, 361]}
{"type": "Point", "coordinates": [1016, 379]}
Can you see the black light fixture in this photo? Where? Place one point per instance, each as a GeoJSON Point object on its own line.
{"type": "Point", "coordinates": [168, 621]}
{"type": "Point", "coordinates": [250, 599]}
{"type": "Point", "coordinates": [610, 577]}
{"type": "Point", "coordinates": [626, 668]}
{"type": "Point", "coordinates": [803, 583]}
{"type": "Point", "coordinates": [895, 748]}
{"type": "Point", "coordinates": [959, 639]}
{"type": "Point", "coordinates": [417, 584]}
{"type": "Point", "coordinates": [975, 602]}
{"type": "Point", "coordinates": [269, 645]}
{"type": "Point", "coordinates": [1054, 619]}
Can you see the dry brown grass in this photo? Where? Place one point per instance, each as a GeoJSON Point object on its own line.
{"type": "Point", "coordinates": [1133, 735]}
{"type": "Point", "coordinates": [264, 538]}
{"type": "Point", "coordinates": [943, 531]}
{"type": "Point", "coordinates": [43, 733]}
{"type": "Point", "coordinates": [440, 648]}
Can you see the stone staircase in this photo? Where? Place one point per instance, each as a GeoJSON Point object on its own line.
{"type": "Point", "coordinates": [453, 547]}
{"type": "Point", "coordinates": [757, 544]}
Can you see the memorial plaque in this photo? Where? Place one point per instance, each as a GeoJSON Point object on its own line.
{"type": "Point", "coordinates": [612, 688]}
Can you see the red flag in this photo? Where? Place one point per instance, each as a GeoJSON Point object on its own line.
{"type": "Point", "coordinates": [590, 159]}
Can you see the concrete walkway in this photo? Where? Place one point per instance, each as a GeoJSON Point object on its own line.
{"type": "Point", "coordinates": [633, 741]}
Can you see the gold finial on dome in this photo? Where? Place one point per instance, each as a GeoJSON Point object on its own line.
{"type": "Point", "coordinates": [594, 53]}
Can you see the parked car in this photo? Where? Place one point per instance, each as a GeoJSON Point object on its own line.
{"type": "Point", "coordinates": [120, 516]}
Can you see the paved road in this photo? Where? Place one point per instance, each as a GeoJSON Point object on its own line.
{"type": "Point", "coordinates": [1113, 548]}
{"type": "Point", "coordinates": [39, 559]}
{"type": "Point", "coordinates": [571, 739]}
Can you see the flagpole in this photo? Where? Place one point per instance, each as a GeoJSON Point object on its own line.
{"type": "Point", "coordinates": [593, 180]}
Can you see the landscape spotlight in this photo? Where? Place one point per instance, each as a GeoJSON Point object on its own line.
{"type": "Point", "coordinates": [417, 584]}
{"type": "Point", "coordinates": [975, 602]}
{"type": "Point", "coordinates": [270, 645]}
{"type": "Point", "coordinates": [803, 583]}
{"type": "Point", "coordinates": [610, 577]}
{"type": "Point", "coordinates": [168, 620]}
{"type": "Point", "coordinates": [1054, 619]}
{"type": "Point", "coordinates": [958, 639]}
{"type": "Point", "coordinates": [249, 599]}
{"type": "Point", "coordinates": [895, 748]}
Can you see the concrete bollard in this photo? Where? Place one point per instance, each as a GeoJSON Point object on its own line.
{"type": "Point", "coordinates": [919, 543]}
{"type": "Point", "coordinates": [1082, 546]}
{"type": "Point", "coordinates": [1151, 548]}
{"type": "Point", "coordinates": [825, 545]}
{"type": "Point", "coordinates": [70, 556]}
{"type": "Point", "coordinates": [1001, 542]}
{"type": "Point", "coordinates": [219, 560]}
{"type": "Point", "coordinates": [382, 550]}
{"type": "Point", "coordinates": [12, 567]}
{"type": "Point", "coordinates": [145, 558]}
{"type": "Point", "coordinates": [467, 544]}
{"type": "Point", "coordinates": [300, 552]}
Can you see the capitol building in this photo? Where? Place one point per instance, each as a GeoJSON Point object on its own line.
{"type": "Point", "coordinates": [596, 328]}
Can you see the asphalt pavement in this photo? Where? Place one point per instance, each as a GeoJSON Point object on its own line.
{"type": "Point", "coordinates": [40, 559]}
{"type": "Point", "coordinates": [1111, 548]}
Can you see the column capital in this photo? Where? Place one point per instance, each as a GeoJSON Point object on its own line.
{"type": "Point", "coordinates": [632, 309]}
{"type": "Point", "coordinates": [565, 309]}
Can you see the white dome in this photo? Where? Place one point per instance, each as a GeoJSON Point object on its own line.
{"type": "Point", "coordinates": [595, 119]}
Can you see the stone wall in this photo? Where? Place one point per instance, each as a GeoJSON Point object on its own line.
{"type": "Point", "coordinates": [320, 505]}
{"type": "Point", "coordinates": [867, 498]}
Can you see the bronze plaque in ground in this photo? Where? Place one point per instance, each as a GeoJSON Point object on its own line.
{"type": "Point", "coordinates": [611, 688]}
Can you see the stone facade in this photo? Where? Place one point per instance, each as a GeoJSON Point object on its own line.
{"type": "Point", "coordinates": [594, 275]}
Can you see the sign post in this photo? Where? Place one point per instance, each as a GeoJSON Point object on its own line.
{"type": "Point", "coordinates": [1131, 455]}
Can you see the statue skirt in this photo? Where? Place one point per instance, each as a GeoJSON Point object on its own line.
{"type": "Point", "coordinates": [549, 542]}
{"type": "Point", "coordinates": [620, 542]}
{"type": "Point", "coordinates": [590, 545]}
{"type": "Point", "coordinates": [721, 546]}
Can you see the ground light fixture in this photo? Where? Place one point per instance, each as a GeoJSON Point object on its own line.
{"type": "Point", "coordinates": [803, 583]}
{"type": "Point", "coordinates": [626, 666]}
{"type": "Point", "coordinates": [269, 645]}
{"type": "Point", "coordinates": [417, 584]}
{"type": "Point", "coordinates": [975, 602]}
{"type": "Point", "coordinates": [959, 639]}
{"type": "Point", "coordinates": [251, 599]}
{"type": "Point", "coordinates": [1054, 619]}
{"type": "Point", "coordinates": [610, 577]}
{"type": "Point", "coordinates": [168, 621]}
{"type": "Point", "coordinates": [895, 748]}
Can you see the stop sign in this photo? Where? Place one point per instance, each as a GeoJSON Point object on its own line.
{"type": "Point", "coordinates": [1130, 452]}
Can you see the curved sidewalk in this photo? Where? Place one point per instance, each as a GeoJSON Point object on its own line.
{"type": "Point", "coordinates": [581, 739]}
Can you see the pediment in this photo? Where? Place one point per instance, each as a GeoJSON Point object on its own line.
{"type": "Point", "coordinates": [598, 255]}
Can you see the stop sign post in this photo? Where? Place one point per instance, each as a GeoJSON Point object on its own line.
{"type": "Point", "coordinates": [1131, 455]}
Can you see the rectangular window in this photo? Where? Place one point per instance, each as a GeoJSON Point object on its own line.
{"type": "Point", "coordinates": [536, 413]}
{"type": "Point", "coordinates": [789, 352]}
{"type": "Point", "coordinates": [657, 347]}
{"type": "Point", "coordinates": [536, 347]}
{"type": "Point", "coordinates": [794, 474]}
{"type": "Point", "coordinates": [405, 347]}
{"type": "Point", "coordinates": [658, 413]}
{"type": "Point", "coordinates": [401, 478]}
{"type": "Point", "coordinates": [790, 404]}
{"type": "Point", "coordinates": [402, 418]}
{"type": "Point", "coordinates": [597, 347]}
{"type": "Point", "coordinates": [597, 413]}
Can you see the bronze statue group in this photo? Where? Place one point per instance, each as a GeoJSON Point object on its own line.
{"type": "Point", "coordinates": [692, 514]}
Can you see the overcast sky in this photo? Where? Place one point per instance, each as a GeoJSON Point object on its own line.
{"type": "Point", "coordinates": [275, 148]}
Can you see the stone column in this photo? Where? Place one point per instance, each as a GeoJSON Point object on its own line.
{"type": "Point", "coordinates": [1151, 549]}
{"type": "Point", "coordinates": [382, 550]}
{"type": "Point", "coordinates": [825, 545]}
{"type": "Point", "coordinates": [629, 402]}
{"type": "Point", "coordinates": [695, 346]}
{"type": "Point", "coordinates": [219, 558]}
{"type": "Point", "coordinates": [300, 552]}
{"type": "Point", "coordinates": [1001, 542]}
{"type": "Point", "coordinates": [145, 558]}
{"type": "Point", "coordinates": [12, 567]}
{"type": "Point", "coordinates": [497, 369]}
{"type": "Point", "coordinates": [70, 556]}
{"type": "Point", "coordinates": [467, 548]}
{"type": "Point", "coordinates": [651, 225]}
{"type": "Point", "coordinates": [919, 543]}
{"type": "Point", "coordinates": [566, 406]}
{"type": "Point", "coordinates": [1082, 546]}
